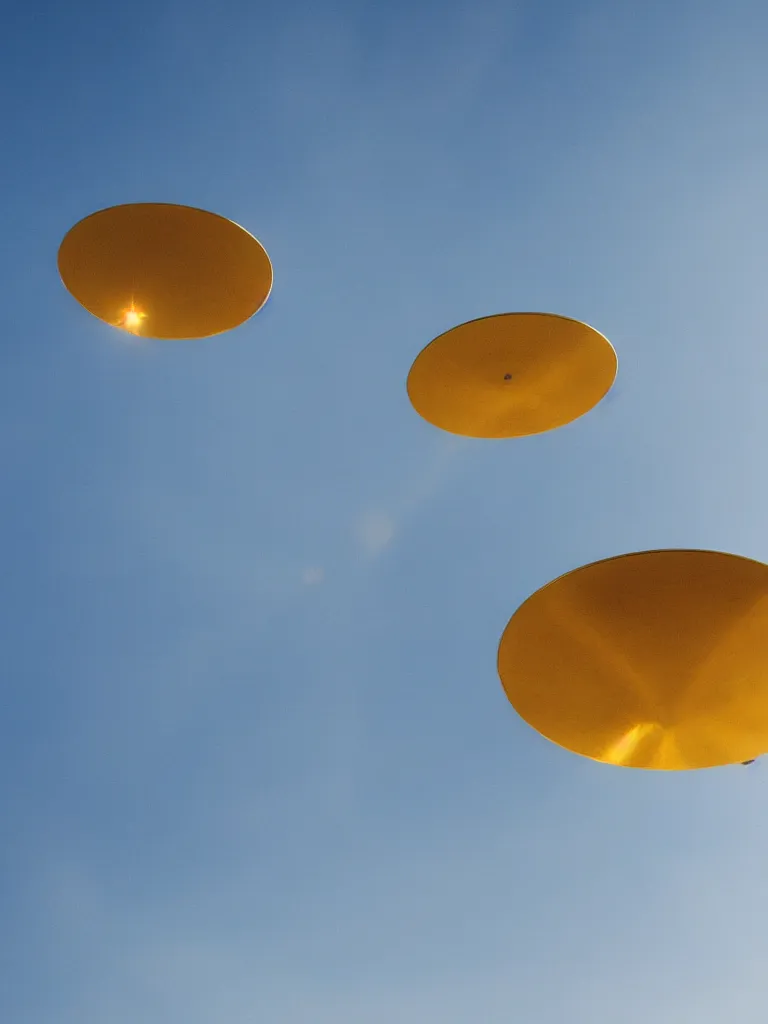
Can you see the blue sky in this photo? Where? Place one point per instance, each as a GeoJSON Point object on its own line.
{"type": "Point", "coordinates": [255, 762]}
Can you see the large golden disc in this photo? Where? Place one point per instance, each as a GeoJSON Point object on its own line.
{"type": "Point", "coordinates": [165, 271]}
{"type": "Point", "coordinates": [512, 374]}
{"type": "Point", "coordinates": [651, 660]}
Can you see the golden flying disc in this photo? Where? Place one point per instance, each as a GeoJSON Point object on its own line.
{"type": "Point", "coordinates": [651, 660]}
{"type": "Point", "coordinates": [165, 271]}
{"type": "Point", "coordinates": [511, 375]}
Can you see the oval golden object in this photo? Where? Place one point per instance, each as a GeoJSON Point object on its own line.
{"type": "Point", "coordinates": [657, 659]}
{"type": "Point", "coordinates": [511, 375]}
{"type": "Point", "coordinates": [165, 271]}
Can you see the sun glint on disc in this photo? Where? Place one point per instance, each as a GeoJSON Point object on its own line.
{"type": "Point", "coordinates": [656, 659]}
{"type": "Point", "coordinates": [165, 271]}
{"type": "Point", "coordinates": [131, 319]}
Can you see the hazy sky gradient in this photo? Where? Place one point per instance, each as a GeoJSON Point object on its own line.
{"type": "Point", "coordinates": [256, 764]}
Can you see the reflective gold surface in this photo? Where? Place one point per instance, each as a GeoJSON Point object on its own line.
{"type": "Point", "coordinates": [165, 271]}
{"type": "Point", "coordinates": [651, 660]}
{"type": "Point", "coordinates": [511, 375]}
